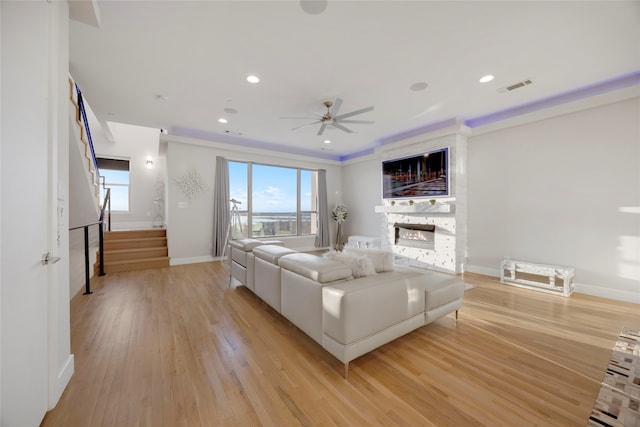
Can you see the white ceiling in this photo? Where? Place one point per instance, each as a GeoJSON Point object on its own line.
{"type": "Point", "coordinates": [177, 65]}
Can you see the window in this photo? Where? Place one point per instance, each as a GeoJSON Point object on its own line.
{"type": "Point", "coordinates": [114, 174]}
{"type": "Point", "coordinates": [274, 200]}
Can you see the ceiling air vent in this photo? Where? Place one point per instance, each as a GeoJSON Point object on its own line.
{"type": "Point", "coordinates": [515, 86]}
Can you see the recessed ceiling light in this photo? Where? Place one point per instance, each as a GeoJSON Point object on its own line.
{"type": "Point", "coordinates": [221, 120]}
{"type": "Point", "coordinates": [418, 86]}
{"type": "Point", "coordinates": [253, 79]}
{"type": "Point", "coordinates": [326, 141]}
{"type": "Point", "coordinates": [486, 79]}
{"type": "Point", "coordinates": [313, 7]}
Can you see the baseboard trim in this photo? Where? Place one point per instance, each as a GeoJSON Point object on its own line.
{"type": "Point", "coordinates": [482, 270]}
{"type": "Point", "coordinates": [582, 288]}
{"type": "Point", "coordinates": [615, 294]}
{"type": "Point", "coordinates": [63, 378]}
{"type": "Point", "coordinates": [191, 260]}
{"type": "Point", "coordinates": [140, 225]}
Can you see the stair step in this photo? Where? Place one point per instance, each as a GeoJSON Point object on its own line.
{"type": "Point", "coordinates": [137, 253]}
{"type": "Point", "coordinates": [137, 243]}
{"type": "Point", "coordinates": [134, 234]}
{"type": "Point", "coordinates": [127, 250]}
{"type": "Point", "coordinates": [136, 264]}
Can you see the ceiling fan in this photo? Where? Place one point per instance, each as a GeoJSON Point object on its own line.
{"type": "Point", "coordinates": [331, 117]}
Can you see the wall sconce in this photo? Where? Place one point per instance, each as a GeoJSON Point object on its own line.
{"type": "Point", "coordinates": [149, 163]}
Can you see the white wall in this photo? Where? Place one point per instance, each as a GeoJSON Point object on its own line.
{"type": "Point", "coordinates": [190, 222]}
{"type": "Point", "coordinates": [566, 191]}
{"type": "Point", "coordinates": [136, 144]}
{"type": "Point", "coordinates": [362, 191]}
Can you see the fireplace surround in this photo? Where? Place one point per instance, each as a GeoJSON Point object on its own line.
{"type": "Point", "coordinates": [445, 216]}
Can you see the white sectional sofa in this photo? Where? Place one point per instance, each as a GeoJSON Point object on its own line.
{"type": "Point", "coordinates": [350, 316]}
{"type": "Point", "coordinates": [241, 259]}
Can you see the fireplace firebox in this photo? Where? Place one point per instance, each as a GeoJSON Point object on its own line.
{"type": "Point", "coordinates": [415, 235]}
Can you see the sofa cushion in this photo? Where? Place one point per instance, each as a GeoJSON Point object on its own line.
{"type": "Point", "coordinates": [273, 242]}
{"type": "Point", "coordinates": [382, 259]}
{"type": "Point", "coordinates": [271, 253]}
{"type": "Point", "coordinates": [361, 308]}
{"type": "Point", "coordinates": [245, 244]}
{"type": "Point", "coordinates": [441, 289]}
{"type": "Point", "coordinates": [316, 268]}
{"type": "Point", "coordinates": [360, 265]}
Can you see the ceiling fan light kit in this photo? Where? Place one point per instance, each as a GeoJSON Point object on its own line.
{"type": "Point", "coordinates": [331, 118]}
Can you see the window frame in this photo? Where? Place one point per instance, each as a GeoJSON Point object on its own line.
{"type": "Point", "coordinates": [248, 213]}
{"type": "Point", "coordinates": [104, 184]}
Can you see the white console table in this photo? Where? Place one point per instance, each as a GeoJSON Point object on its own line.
{"type": "Point", "coordinates": [553, 279]}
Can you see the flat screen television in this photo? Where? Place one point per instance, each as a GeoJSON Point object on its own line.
{"type": "Point", "coordinates": [423, 175]}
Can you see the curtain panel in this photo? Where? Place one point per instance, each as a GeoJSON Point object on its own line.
{"type": "Point", "coordinates": [323, 240]}
{"type": "Point", "coordinates": [221, 214]}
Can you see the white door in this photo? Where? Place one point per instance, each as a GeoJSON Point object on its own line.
{"type": "Point", "coordinates": [24, 130]}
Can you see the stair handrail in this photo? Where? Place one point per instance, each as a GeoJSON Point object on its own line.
{"type": "Point", "coordinates": [82, 115]}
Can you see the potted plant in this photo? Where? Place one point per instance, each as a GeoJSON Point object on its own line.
{"type": "Point", "coordinates": [339, 215]}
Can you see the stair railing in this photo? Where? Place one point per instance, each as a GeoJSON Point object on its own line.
{"type": "Point", "coordinates": [82, 115]}
{"type": "Point", "coordinates": [105, 209]}
{"type": "Point", "coordinates": [100, 224]}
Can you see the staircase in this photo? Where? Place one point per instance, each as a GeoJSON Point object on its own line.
{"type": "Point", "coordinates": [134, 250]}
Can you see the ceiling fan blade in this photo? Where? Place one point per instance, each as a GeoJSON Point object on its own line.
{"type": "Point", "coordinates": [366, 122]}
{"type": "Point", "coordinates": [353, 113]}
{"type": "Point", "coordinates": [297, 118]}
{"type": "Point", "coordinates": [335, 107]}
{"type": "Point", "coordinates": [339, 126]}
{"type": "Point", "coordinates": [305, 125]}
{"type": "Point", "coordinates": [322, 128]}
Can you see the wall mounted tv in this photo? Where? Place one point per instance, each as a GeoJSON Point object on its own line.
{"type": "Point", "coordinates": [423, 175]}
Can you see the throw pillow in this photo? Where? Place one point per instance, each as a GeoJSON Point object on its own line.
{"type": "Point", "coordinates": [382, 260]}
{"type": "Point", "coordinates": [361, 266]}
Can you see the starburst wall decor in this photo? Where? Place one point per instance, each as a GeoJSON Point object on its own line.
{"type": "Point", "coordinates": [191, 184]}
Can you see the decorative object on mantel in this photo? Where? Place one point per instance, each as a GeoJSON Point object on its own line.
{"type": "Point", "coordinates": [416, 208]}
{"type": "Point", "coordinates": [410, 202]}
{"type": "Point", "coordinates": [339, 215]}
{"type": "Point", "coordinates": [191, 184]}
{"type": "Point", "coordinates": [432, 201]}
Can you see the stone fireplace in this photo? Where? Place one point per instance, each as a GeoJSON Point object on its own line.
{"type": "Point", "coordinates": [422, 235]}
{"type": "Point", "coordinates": [423, 232]}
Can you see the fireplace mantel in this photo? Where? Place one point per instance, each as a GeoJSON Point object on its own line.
{"type": "Point", "coordinates": [416, 208]}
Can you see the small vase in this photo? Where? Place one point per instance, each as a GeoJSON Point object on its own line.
{"type": "Point", "coordinates": [339, 242]}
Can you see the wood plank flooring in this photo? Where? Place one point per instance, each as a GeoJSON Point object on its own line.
{"type": "Point", "coordinates": [178, 346]}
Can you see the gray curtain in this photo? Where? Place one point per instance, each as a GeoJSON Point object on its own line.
{"type": "Point", "coordinates": [221, 206]}
{"type": "Point", "coordinates": [323, 240]}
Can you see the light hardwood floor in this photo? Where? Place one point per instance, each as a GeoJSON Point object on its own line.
{"type": "Point", "coordinates": [178, 347]}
